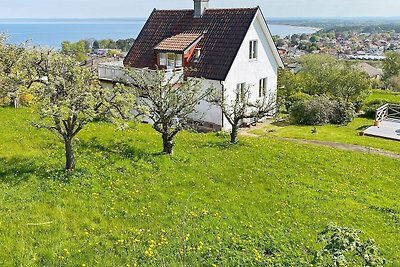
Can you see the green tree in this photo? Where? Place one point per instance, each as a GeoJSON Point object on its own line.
{"type": "Point", "coordinates": [96, 45]}
{"type": "Point", "coordinates": [66, 47]}
{"type": "Point", "coordinates": [78, 50]}
{"type": "Point", "coordinates": [328, 75]}
{"type": "Point", "coordinates": [69, 97]}
{"type": "Point", "coordinates": [313, 39]}
{"type": "Point", "coordinates": [125, 45]}
{"type": "Point", "coordinates": [394, 83]}
{"type": "Point", "coordinates": [391, 66]}
{"type": "Point", "coordinates": [351, 85]}
{"type": "Point", "coordinates": [303, 37]}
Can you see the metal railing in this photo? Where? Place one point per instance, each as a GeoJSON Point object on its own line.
{"type": "Point", "coordinates": [111, 72]}
{"type": "Point", "coordinates": [388, 112]}
{"type": "Point", "coordinates": [116, 73]}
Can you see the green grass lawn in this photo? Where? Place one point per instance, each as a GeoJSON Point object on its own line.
{"type": "Point", "coordinates": [388, 96]}
{"type": "Point", "coordinates": [349, 134]}
{"type": "Point", "coordinates": [259, 203]}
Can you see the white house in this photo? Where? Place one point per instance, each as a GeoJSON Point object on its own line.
{"type": "Point", "coordinates": [229, 48]}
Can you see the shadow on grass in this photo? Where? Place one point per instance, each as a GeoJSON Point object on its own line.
{"type": "Point", "coordinates": [367, 116]}
{"type": "Point", "coordinates": [281, 123]}
{"type": "Point", "coordinates": [222, 144]}
{"type": "Point", "coordinates": [363, 128]}
{"type": "Point", "coordinates": [119, 148]}
{"type": "Point", "coordinates": [14, 171]}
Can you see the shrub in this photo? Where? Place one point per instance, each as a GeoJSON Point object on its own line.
{"type": "Point", "coordinates": [344, 247]}
{"type": "Point", "coordinates": [4, 101]}
{"type": "Point", "coordinates": [289, 101]}
{"type": "Point", "coordinates": [27, 99]}
{"type": "Point", "coordinates": [315, 111]}
{"type": "Point", "coordinates": [320, 110]}
{"type": "Point", "coordinates": [342, 112]}
{"type": "Point", "coordinates": [371, 107]}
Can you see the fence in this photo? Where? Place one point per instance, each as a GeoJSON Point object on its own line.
{"type": "Point", "coordinates": [388, 112]}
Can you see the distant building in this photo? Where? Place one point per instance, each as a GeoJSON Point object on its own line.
{"type": "Point", "coordinates": [367, 57]}
{"type": "Point", "coordinates": [373, 73]}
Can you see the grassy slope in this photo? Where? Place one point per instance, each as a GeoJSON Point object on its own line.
{"type": "Point", "coordinates": [335, 133]}
{"type": "Point", "coordinates": [389, 96]}
{"type": "Point", "coordinates": [211, 203]}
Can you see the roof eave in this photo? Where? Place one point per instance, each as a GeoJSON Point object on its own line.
{"type": "Point", "coordinates": [271, 42]}
{"type": "Point", "coordinates": [194, 43]}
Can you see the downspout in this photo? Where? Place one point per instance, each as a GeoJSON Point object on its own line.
{"type": "Point", "coordinates": [223, 100]}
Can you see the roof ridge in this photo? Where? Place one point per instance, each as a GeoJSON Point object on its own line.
{"type": "Point", "coordinates": [229, 8]}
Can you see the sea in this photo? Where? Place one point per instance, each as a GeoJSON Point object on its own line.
{"type": "Point", "coordinates": [52, 32]}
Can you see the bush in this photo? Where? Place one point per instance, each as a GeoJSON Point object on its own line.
{"type": "Point", "coordinates": [320, 110]}
{"type": "Point", "coordinates": [316, 111]}
{"type": "Point", "coordinates": [289, 101]}
{"type": "Point", "coordinates": [4, 101]}
{"type": "Point", "coordinates": [342, 112]}
{"type": "Point", "coordinates": [371, 107]}
{"type": "Point", "coordinates": [344, 247]}
{"type": "Point", "coordinates": [27, 99]}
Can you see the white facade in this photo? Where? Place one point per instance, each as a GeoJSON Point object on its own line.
{"type": "Point", "coordinates": [246, 70]}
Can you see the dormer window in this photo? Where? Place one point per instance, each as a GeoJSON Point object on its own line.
{"type": "Point", "coordinates": [177, 50]}
{"type": "Point", "coordinates": [171, 60]}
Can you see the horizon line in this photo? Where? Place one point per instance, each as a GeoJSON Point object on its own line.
{"type": "Point", "coordinates": [270, 17]}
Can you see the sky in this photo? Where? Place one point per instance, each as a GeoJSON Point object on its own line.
{"type": "Point", "coordinates": [142, 8]}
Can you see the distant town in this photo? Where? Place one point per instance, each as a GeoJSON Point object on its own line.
{"type": "Point", "coordinates": [344, 45]}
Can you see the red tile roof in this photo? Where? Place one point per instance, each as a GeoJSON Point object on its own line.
{"type": "Point", "coordinates": [225, 30]}
{"type": "Point", "coordinates": [179, 42]}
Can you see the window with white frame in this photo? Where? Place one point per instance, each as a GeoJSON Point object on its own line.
{"type": "Point", "coordinates": [170, 60]}
{"type": "Point", "coordinates": [197, 54]}
{"type": "Point", "coordinates": [262, 88]}
{"type": "Point", "coordinates": [178, 61]}
{"type": "Point", "coordinates": [240, 91]}
{"type": "Point", "coordinates": [163, 59]}
{"type": "Point", "coordinates": [253, 49]}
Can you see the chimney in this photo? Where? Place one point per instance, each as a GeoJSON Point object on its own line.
{"type": "Point", "coordinates": [199, 7]}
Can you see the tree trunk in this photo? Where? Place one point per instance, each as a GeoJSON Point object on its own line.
{"type": "Point", "coordinates": [69, 154]}
{"type": "Point", "coordinates": [234, 134]}
{"type": "Point", "coordinates": [15, 102]}
{"type": "Point", "coordinates": [168, 145]}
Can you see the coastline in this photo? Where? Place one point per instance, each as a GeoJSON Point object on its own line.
{"type": "Point", "coordinates": [316, 29]}
{"type": "Point", "coordinates": [52, 32]}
